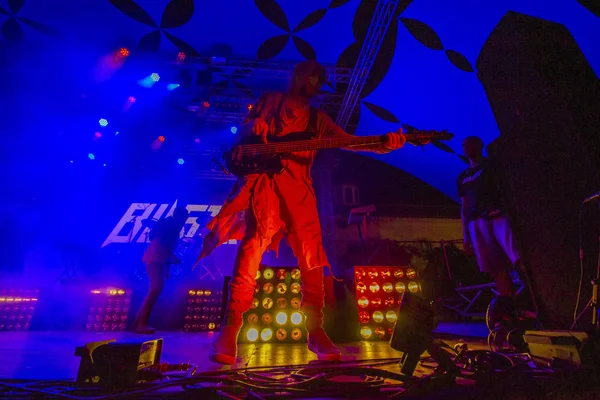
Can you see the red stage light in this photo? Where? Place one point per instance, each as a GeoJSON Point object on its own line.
{"type": "Point", "coordinates": [181, 56]}
{"type": "Point", "coordinates": [161, 138]}
{"type": "Point", "coordinates": [377, 313]}
{"type": "Point", "coordinates": [273, 315]}
{"type": "Point", "coordinates": [131, 99]}
{"type": "Point", "coordinates": [98, 135]}
{"type": "Point", "coordinates": [124, 52]}
{"type": "Point", "coordinates": [206, 104]}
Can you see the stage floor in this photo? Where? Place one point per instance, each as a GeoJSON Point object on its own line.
{"type": "Point", "coordinates": [50, 355]}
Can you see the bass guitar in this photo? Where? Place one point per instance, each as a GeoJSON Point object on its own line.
{"type": "Point", "coordinates": [252, 156]}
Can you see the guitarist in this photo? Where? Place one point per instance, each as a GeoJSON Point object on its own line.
{"type": "Point", "coordinates": [164, 238]}
{"type": "Point", "coordinates": [269, 205]}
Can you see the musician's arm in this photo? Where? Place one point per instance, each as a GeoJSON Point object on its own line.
{"type": "Point", "coordinates": [255, 115]}
{"type": "Point", "coordinates": [328, 129]}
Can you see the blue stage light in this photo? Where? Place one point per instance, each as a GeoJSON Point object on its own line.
{"type": "Point", "coordinates": [104, 165]}
{"type": "Point", "coordinates": [172, 86]}
{"type": "Point", "coordinates": [103, 122]}
{"type": "Point", "coordinates": [180, 161]}
{"type": "Point", "coordinates": [116, 133]}
{"type": "Point", "coordinates": [92, 156]}
{"type": "Point", "coordinates": [233, 130]}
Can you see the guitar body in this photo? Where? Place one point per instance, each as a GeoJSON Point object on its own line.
{"type": "Point", "coordinates": [250, 162]}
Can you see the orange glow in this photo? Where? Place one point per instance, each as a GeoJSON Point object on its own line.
{"type": "Point", "coordinates": [411, 273]}
{"type": "Point", "coordinates": [363, 302]}
{"type": "Point", "coordinates": [400, 287]}
{"type": "Point", "coordinates": [281, 274]}
{"type": "Point", "coordinates": [268, 288]}
{"type": "Point", "coordinates": [249, 107]}
{"type": "Point", "coordinates": [373, 274]}
{"type": "Point", "coordinates": [161, 138]}
{"type": "Point", "coordinates": [192, 292]}
{"type": "Point", "coordinates": [374, 287]}
{"type": "Point", "coordinates": [295, 274]}
{"type": "Point", "coordinates": [361, 287]}
{"type": "Point", "coordinates": [363, 317]}
{"type": "Point", "coordinates": [267, 319]}
{"type": "Point", "coordinates": [281, 302]}
{"type": "Point", "coordinates": [267, 303]}
{"type": "Point", "coordinates": [376, 302]}
{"type": "Point", "coordinates": [281, 334]}
{"type": "Point", "coordinates": [295, 288]}
{"type": "Point", "coordinates": [257, 275]}
{"type": "Point", "coordinates": [385, 273]}
{"type": "Point", "coordinates": [281, 288]}
{"type": "Point", "coordinates": [295, 303]}
{"type": "Point", "coordinates": [207, 292]}
{"type": "Point", "coordinates": [296, 334]}
{"type": "Point", "coordinates": [255, 303]}
{"type": "Point", "coordinates": [366, 332]}
{"type": "Point", "coordinates": [211, 325]}
{"type": "Point", "coordinates": [391, 316]}
{"type": "Point", "coordinates": [378, 316]}
{"type": "Point", "coordinates": [359, 273]}
{"type": "Point", "coordinates": [253, 319]}
{"type": "Point", "coordinates": [124, 52]}
{"type": "Point", "coordinates": [413, 287]}
{"type": "Point", "coordinates": [399, 274]}
{"type": "Point", "coordinates": [380, 332]}
{"type": "Point", "coordinates": [388, 287]}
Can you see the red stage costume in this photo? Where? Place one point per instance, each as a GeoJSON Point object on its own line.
{"type": "Point", "coordinates": [263, 207]}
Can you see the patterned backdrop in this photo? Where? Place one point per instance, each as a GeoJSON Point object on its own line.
{"type": "Point", "coordinates": [424, 74]}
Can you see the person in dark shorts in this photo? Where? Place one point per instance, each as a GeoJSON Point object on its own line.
{"type": "Point", "coordinates": [164, 238]}
{"type": "Point", "coordinates": [486, 226]}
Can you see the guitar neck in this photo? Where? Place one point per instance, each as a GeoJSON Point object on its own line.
{"type": "Point", "coordinates": [311, 145]}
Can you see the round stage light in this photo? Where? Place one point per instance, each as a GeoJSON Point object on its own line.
{"type": "Point", "coordinates": [388, 287]}
{"type": "Point", "coordinates": [268, 288]}
{"type": "Point", "coordinates": [112, 292]}
{"type": "Point", "coordinates": [281, 288]}
{"type": "Point", "coordinates": [411, 273]}
{"type": "Point", "coordinates": [376, 302]}
{"type": "Point", "coordinates": [281, 302]}
{"type": "Point", "coordinates": [391, 316]}
{"type": "Point", "coordinates": [296, 334]}
{"type": "Point", "coordinates": [295, 288]}
{"type": "Point", "coordinates": [365, 332]}
{"type": "Point", "coordinates": [380, 332]}
{"type": "Point", "coordinates": [295, 303]}
{"type": "Point", "coordinates": [252, 319]}
{"type": "Point", "coordinates": [390, 301]}
{"type": "Point", "coordinates": [255, 303]}
{"type": "Point", "coordinates": [199, 292]}
{"type": "Point", "coordinates": [400, 287]}
{"type": "Point", "coordinates": [281, 274]}
{"type": "Point", "coordinates": [374, 287]}
{"type": "Point", "coordinates": [267, 319]}
{"type": "Point", "coordinates": [296, 318]}
{"type": "Point", "coordinates": [192, 292]}
{"type": "Point", "coordinates": [281, 334]}
{"type": "Point", "coordinates": [359, 273]}
{"type": "Point", "coordinates": [295, 274]}
{"type": "Point", "coordinates": [252, 335]}
{"type": "Point", "coordinates": [363, 302]}
{"type": "Point", "coordinates": [361, 287]}
{"type": "Point", "coordinates": [234, 130]}
{"type": "Point", "coordinates": [413, 287]}
{"type": "Point", "coordinates": [120, 292]}
{"type": "Point", "coordinates": [266, 334]}
{"type": "Point", "coordinates": [124, 52]}
{"type": "Point", "coordinates": [211, 325]}
{"type": "Point", "coordinates": [385, 273]}
{"type": "Point", "coordinates": [207, 292]}
{"type": "Point", "coordinates": [373, 274]}
{"type": "Point", "coordinates": [378, 316]}
{"type": "Point", "coordinates": [257, 275]}
{"type": "Point", "coordinates": [161, 138]}
{"type": "Point", "coordinates": [363, 317]}
{"type": "Point", "coordinates": [267, 303]}
{"type": "Point", "coordinates": [398, 274]}
{"type": "Point", "coordinates": [268, 273]}
{"type": "Point", "coordinates": [281, 318]}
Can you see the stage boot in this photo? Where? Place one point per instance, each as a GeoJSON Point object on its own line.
{"type": "Point", "coordinates": [224, 347]}
{"type": "Point", "coordinates": [313, 301]}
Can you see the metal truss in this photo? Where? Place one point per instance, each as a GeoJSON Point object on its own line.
{"type": "Point", "coordinates": [384, 13]}
{"type": "Point", "coordinates": [243, 81]}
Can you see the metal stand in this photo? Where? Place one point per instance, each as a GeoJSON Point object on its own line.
{"type": "Point", "coordinates": [594, 300]}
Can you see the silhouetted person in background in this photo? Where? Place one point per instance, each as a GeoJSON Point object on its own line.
{"type": "Point", "coordinates": [164, 238]}
{"type": "Point", "coordinates": [486, 226]}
